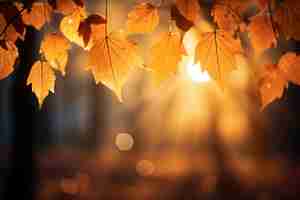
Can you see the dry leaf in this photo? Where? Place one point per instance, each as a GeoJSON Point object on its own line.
{"type": "Point", "coordinates": [271, 85]}
{"type": "Point", "coordinates": [165, 55]}
{"type": "Point", "coordinates": [69, 26]}
{"type": "Point", "coordinates": [216, 52]}
{"type": "Point", "coordinates": [262, 32]}
{"type": "Point", "coordinates": [55, 49]}
{"type": "Point", "coordinates": [288, 19]}
{"type": "Point", "coordinates": [38, 15]}
{"type": "Point", "coordinates": [181, 22]}
{"type": "Point", "coordinates": [7, 59]}
{"type": "Point", "coordinates": [190, 9]}
{"type": "Point", "coordinates": [144, 18]}
{"type": "Point", "coordinates": [111, 58]}
{"type": "Point", "coordinates": [42, 80]}
{"type": "Point", "coordinates": [93, 27]}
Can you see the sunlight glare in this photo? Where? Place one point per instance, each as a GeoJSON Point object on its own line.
{"type": "Point", "coordinates": [195, 74]}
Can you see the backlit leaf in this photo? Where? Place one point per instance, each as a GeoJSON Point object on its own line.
{"type": "Point", "coordinates": [262, 32]}
{"type": "Point", "coordinates": [55, 49]}
{"type": "Point", "coordinates": [216, 52]}
{"type": "Point", "coordinates": [190, 9]}
{"type": "Point", "coordinates": [143, 18]}
{"type": "Point", "coordinates": [111, 59]}
{"type": "Point", "coordinates": [67, 7]}
{"type": "Point", "coordinates": [165, 54]}
{"type": "Point", "coordinates": [42, 80]}
{"type": "Point", "coordinates": [7, 59]}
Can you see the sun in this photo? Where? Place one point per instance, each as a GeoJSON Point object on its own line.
{"type": "Point", "coordinates": [194, 73]}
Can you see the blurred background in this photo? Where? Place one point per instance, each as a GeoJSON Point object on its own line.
{"type": "Point", "coordinates": [187, 139]}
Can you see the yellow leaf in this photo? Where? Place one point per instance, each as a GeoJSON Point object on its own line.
{"type": "Point", "coordinates": [42, 80]}
{"type": "Point", "coordinates": [54, 47]}
{"type": "Point", "coordinates": [69, 27]}
{"type": "Point", "coordinates": [111, 58]}
{"type": "Point", "coordinates": [271, 85]}
{"type": "Point", "coordinates": [165, 54]}
{"type": "Point", "coordinates": [287, 17]}
{"type": "Point", "coordinates": [216, 52]}
{"type": "Point", "coordinates": [262, 33]}
{"type": "Point", "coordinates": [7, 59]}
{"type": "Point", "coordinates": [190, 9]}
{"type": "Point", "coordinates": [38, 15]}
{"type": "Point", "coordinates": [143, 18]}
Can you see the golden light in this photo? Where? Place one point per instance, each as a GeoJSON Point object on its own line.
{"type": "Point", "coordinates": [145, 168]}
{"type": "Point", "coordinates": [195, 74]}
{"type": "Point", "coordinates": [124, 141]}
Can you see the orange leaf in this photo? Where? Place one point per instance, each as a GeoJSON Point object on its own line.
{"type": "Point", "coordinates": [289, 65]}
{"type": "Point", "coordinates": [42, 80]}
{"type": "Point", "coordinates": [143, 18]}
{"type": "Point", "coordinates": [165, 54]}
{"type": "Point", "coordinates": [54, 47]}
{"type": "Point", "coordinates": [7, 59]}
{"type": "Point", "coordinates": [262, 32]}
{"type": "Point", "coordinates": [67, 7]}
{"type": "Point", "coordinates": [10, 33]}
{"type": "Point", "coordinates": [271, 85]}
{"type": "Point", "coordinates": [190, 9]}
{"type": "Point", "coordinates": [69, 26]}
{"type": "Point", "coordinates": [111, 58]}
{"type": "Point", "coordinates": [288, 19]}
{"type": "Point", "coordinates": [38, 15]}
{"type": "Point", "coordinates": [216, 52]}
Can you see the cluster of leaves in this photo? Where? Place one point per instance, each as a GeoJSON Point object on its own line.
{"type": "Point", "coordinates": [111, 54]}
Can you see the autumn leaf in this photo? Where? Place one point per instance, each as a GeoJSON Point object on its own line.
{"type": "Point", "coordinates": [271, 85]}
{"type": "Point", "coordinates": [289, 64]}
{"type": "Point", "coordinates": [93, 27]}
{"type": "Point", "coordinates": [165, 54]}
{"type": "Point", "coordinates": [69, 26]}
{"type": "Point", "coordinates": [7, 59]}
{"type": "Point", "coordinates": [111, 59]}
{"type": "Point", "coordinates": [144, 18]}
{"type": "Point", "coordinates": [38, 15]}
{"type": "Point", "coordinates": [42, 80]}
{"type": "Point", "coordinates": [274, 78]}
{"type": "Point", "coordinates": [216, 51]}
{"type": "Point", "coordinates": [67, 7]}
{"type": "Point", "coordinates": [262, 33]}
{"type": "Point", "coordinates": [9, 33]}
{"type": "Point", "coordinates": [55, 49]}
{"type": "Point", "coordinates": [227, 18]}
{"type": "Point", "coordinates": [181, 22]}
{"type": "Point", "coordinates": [287, 17]}
{"type": "Point", "coordinates": [190, 9]}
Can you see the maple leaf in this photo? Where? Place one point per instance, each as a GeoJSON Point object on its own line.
{"type": "Point", "coordinates": [144, 18]}
{"type": "Point", "coordinates": [7, 59]}
{"type": "Point", "coordinates": [271, 85]}
{"type": "Point", "coordinates": [55, 49]}
{"type": "Point", "coordinates": [287, 17]}
{"type": "Point", "coordinates": [67, 7]}
{"type": "Point", "coordinates": [190, 9]}
{"type": "Point", "coordinates": [274, 78]}
{"type": "Point", "coordinates": [216, 51]}
{"type": "Point", "coordinates": [111, 59]}
{"type": "Point", "coordinates": [38, 15]}
{"type": "Point", "coordinates": [42, 80]}
{"type": "Point", "coordinates": [166, 53]}
{"type": "Point", "coordinates": [227, 17]}
{"type": "Point", "coordinates": [181, 22]}
{"type": "Point", "coordinates": [69, 26]}
{"type": "Point", "coordinates": [262, 32]}
{"type": "Point", "coordinates": [93, 27]}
